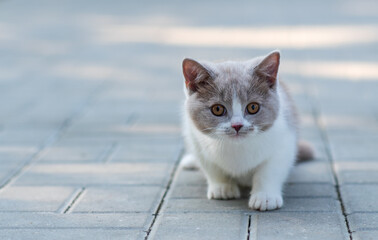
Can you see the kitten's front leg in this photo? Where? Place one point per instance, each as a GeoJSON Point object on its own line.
{"type": "Point", "coordinates": [220, 186]}
{"type": "Point", "coordinates": [267, 185]}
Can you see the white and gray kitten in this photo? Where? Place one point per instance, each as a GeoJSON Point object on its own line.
{"type": "Point", "coordinates": [240, 123]}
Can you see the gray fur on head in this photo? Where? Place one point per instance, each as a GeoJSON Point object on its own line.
{"type": "Point", "coordinates": [223, 83]}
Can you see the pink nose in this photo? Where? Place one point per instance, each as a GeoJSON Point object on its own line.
{"type": "Point", "coordinates": [237, 127]}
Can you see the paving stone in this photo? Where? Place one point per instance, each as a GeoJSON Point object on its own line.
{"type": "Point", "coordinates": [96, 174]}
{"type": "Point", "coordinates": [354, 147]}
{"type": "Point", "coordinates": [311, 172]}
{"type": "Point", "coordinates": [34, 198]}
{"type": "Point", "coordinates": [357, 171]}
{"type": "Point", "coordinates": [8, 170]}
{"type": "Point", "coordinates": [120, 199]}
{"type": "Point", "coordinates": [363, 221]}
{"type": "Point", "coordinates": [73, 153]}
{"type": "Point", "coordinates": [360, 197]}
{"type": "Point", "coordinates": [137, 151]}
{"type": "Point", "coordinates": [310, 190]}
{"type": "Point", "coordinates": [201, 226]}
{"type": "Point", "coordinates": [100, 113]}
{"type": "Point", "coordinates": [119, 131]}
{"type": "Point", "coordinates": [189, 191]}
{"type": "Point", "coordinates": [16, 152]}
{"type": "Point", "coordinates": [29, 136]}
{"type": "Point", "coordinates": [205, 205]}
{"type": "Point", "coordinates": [119, 136]}
{"type": "Point", "coordinates": [317, 204]}
{"type": "Point", "coordinates": [86, 220]}
{"type": "Point", "coordinates": [270, 225]}
{"type": "Point", "coordinates": [365, 235]}
{"type": "Point", "coordinates": [343, 127]}
{"type": "Point", "coordinates": [190, 177]}
{"type": "Point", "coordinates": [71, 233]}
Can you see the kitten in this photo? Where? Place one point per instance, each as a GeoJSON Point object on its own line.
{"type": "Point", "coordinates": [240, 123]}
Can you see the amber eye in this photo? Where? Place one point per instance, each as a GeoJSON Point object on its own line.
{"type": "Point", "coordinates": [218, 110]}
{"type": "Point", "coordinates": [253, 108]}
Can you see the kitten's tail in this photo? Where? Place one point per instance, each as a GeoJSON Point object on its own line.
{"type": "Point", "coordinates": [305, 151]}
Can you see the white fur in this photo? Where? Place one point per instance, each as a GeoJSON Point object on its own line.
{"type": "Point", "coordinates": [261, 160]}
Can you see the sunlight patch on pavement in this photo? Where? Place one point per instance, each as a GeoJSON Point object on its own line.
{"type": "Point", "coordinates": [296, 37]}
{"type": "Point", "coordinates": [342, 70]}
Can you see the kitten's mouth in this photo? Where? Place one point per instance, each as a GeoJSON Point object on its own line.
{"type": "Point", "coordinates": [238, 135]}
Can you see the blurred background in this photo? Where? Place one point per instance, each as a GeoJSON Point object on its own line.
{"type": "Point", "coordinates": [126, 57]}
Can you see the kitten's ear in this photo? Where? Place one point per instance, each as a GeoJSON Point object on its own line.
{"type": "Point", "coordinates": [268, 68]}
{"type": "Point", "coordinates": [194, 74]}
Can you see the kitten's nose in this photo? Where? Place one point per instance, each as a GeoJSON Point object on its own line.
{"type": "Point", "coordinates": [237, 126]}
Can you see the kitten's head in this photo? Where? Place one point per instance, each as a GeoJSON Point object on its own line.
{"type": "Point", "coordinates": [232, 99]}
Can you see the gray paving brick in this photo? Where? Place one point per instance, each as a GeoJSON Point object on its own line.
{"type": "Point", "coordinates": [34, 198]}
{"type": "Point", "coordinates": [190, 177]}
{"type": "Point", "coordinates": [311, 172]}
{"type": "Point", "coordinates": [120, 199]}
{"type": "Point", "coordinates": [357, 172]}
{"type": "Point", "coordinates": [354, 147]}
{"type": "Point", "coordinates": [310, 190]}
{"type": "Point", "coordinates": [96, 174]}
{"type": "Point", "coordinates": [363, 221]}
{"type": "Point", "coordinates": [16, 152]}
{"type": "Point", "coordinates": [205, 205]}
{"type": "Point", "coordinates": [70, 233]}
{"type": "Point", "coordinates": [28, 136]}
{"type": "Point", "coordinates": [365, 235]}
{"type": "Point", "coordinates": [118, 136]}
{"type": "Point", "coordinates": [8, 170]}
{"type": "Point", "coordinates": [73, 153]}
{"type": "Point", "coordinates": [201, 226]}
{"type": "Point", "coordinates": [360, 197]}
{"type": "Point", "coordinates": [12, 159]}
{"type": "Point", "coordinates": [121, 129]}
{"type": "Point", "coordinates": [189, 191]}
{"type": "Point", "coordinates": [271, 225]}
{"type": "Point", "coordinates": [40, 220]}
{"type": "Point", "coordinates": [136, 151]}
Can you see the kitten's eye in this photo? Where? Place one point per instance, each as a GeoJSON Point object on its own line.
{"type": "Point", "coordinates": [253, 108]}
{"type": "Point", "coordinates": [218, 110]}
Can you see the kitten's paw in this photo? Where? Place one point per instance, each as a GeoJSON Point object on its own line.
{"type": "Point", "coordinates": [263, 201]}
{"type": "Point", "coordinates": [188, 162]}
{"type": "Point", "coordinates": [223, 191]}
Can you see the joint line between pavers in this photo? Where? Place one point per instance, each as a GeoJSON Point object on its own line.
{"type": "Point", "coordinates": [68, 206]}
{"type": "Point", "coordinates": [167, 188]}
{"type": "Point", "coordinates": [326, 143]}
{"type": "Point", "coordinates": [108, 153]}
{"type": "Point", "coordinates": [249, 227]}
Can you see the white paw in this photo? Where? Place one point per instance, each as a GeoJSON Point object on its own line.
{"type": "Point", "coordinates": [189, 162]}
{"type": "Point", "coordinates": [223, 191]}
{"type": "Point", "coordinates": [263, 201]}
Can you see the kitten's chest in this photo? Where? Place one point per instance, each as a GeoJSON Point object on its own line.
{"type": "Point", "coordinates": [239, 158]}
